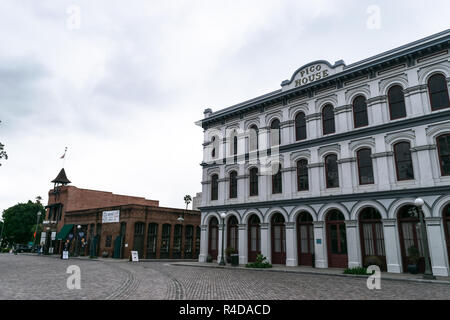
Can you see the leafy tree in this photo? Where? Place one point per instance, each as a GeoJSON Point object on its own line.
{"type": "Point", "coordinates": [3, 154]}
{"type": "Point", "coordinates": [20, 222]}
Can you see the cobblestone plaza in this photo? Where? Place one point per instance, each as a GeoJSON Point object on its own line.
{"type": "Point", "coordinates": [32, 277]}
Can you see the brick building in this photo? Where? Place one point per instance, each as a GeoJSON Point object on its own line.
{"type": "Point", "coordinates": [101, 223]}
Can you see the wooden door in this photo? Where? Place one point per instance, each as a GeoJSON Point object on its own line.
{"type": "Point", "coordinates": [213, 238]}
{"type": "Point", "coordinates": [446, 216]}
{"type": "Point", "coordinates": [336, 240]}
{"type": "Point", "coordinates": [305, 239]}
{"type": "Point", "coordinates": [254, 238]}
{"type": "Point", "coordinates": [278, 239]}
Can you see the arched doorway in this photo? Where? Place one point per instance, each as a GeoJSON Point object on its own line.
{"type": "Point", "coordinates": [213, 237]}
{"type": "Point", "coordinates": [337, 240]}
{"type": "Point", "coordinates": [446, 219]}
{"type": "Point", "coordinates": [254, 238]}
{"type": "Point", "coordinates": [305, 239]}
{"type": "Point", "coordinates": [233, 234]}
{"type": "Point", "coordinates": [371, 235]}
{"type": "Point", "coordinates": [138, 243]}
{"type": "Point", "coordinates": [410, 235]}
{"type": "Point", "coordinates": [278, 239]}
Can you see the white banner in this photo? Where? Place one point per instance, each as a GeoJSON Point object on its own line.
{"type": "Point", "coordinates": [111, 216]}
{"type": "Point", "coordinates": [43, 236]}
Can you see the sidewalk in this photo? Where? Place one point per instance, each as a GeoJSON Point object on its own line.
{"type": "Point", "coordinates": [317, 271]}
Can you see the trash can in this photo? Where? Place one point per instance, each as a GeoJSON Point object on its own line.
{"type": "Point", "coordinates": [234, 260]}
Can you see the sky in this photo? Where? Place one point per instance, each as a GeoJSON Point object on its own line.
{"type": "Point", "coordinates": [121, 83]}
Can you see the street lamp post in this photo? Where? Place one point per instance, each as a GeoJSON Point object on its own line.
{"type": "Point", "coordinates": [35, 231]}
{"type": "Point", "coordinates": [77, 248]}
{"type": "Point", "coordinates": [222, 260]}
{"type": "Point", "coordinates": [428, 270]}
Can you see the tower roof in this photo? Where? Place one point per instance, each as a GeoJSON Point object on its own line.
{"type": "Point", "coordinates": [61, 178]}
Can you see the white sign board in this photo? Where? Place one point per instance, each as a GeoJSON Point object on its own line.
{"type": "Point", "coordinates": [53, 235]}
{"type": "Point", "coordinates": [134, 256]}
{"type": "Point", "coordinates": [111, 216]}
{"type": "Point", "coordinates": [43, 236]}
{"type": "Point", "coordinates": [65, 255]}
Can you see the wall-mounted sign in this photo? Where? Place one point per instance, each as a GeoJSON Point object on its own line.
{"type": "Point", "coordinates": [319, 241]}
{"type": "Point", "coordinates": [111, 216]}
{"type": "Point", "coordinates": [312, 72]}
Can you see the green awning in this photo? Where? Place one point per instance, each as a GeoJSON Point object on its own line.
{"type": "Point", "coordinates": [62, 234]}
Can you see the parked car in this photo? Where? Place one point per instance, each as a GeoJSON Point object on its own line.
{"type": "Point", "coordinates": [23, 248]}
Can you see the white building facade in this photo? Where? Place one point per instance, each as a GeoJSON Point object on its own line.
{"type": "Point", "coordinates": [325, 170]}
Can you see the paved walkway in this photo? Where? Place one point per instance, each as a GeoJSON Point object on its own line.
{"type": "Point", "coordinates": [33, 277]}
{"type": "Point", "coordinates": [317, 271]}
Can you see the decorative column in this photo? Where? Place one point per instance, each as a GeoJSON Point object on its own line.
{"type": "Point", "coordinates": [219, 243]}
{"type": "Point", "coordinates": [265, 245]}
{"type": "Point", "coordinates": [203, 243]}
{"type": "Point", "coordinates": [391, 243]}
{"type": "Point", "coordinates": [243, 247]}
{"type": "Point", "coordinates": [354, 256]}
{"type": "Point", "coordinates": [320, 250]}
{"type": "Point", "coordinates": [291, 256]}
{"type": "Point", "coordinates": [436, 243]}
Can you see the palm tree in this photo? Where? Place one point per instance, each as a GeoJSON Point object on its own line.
{"type": "Point", "coordinates": [187, 200]}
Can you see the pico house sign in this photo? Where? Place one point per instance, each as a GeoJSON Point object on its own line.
{"type": "Point", "coordinates": [312, 72]}
{"type": "Point", "coordinates": [111, 216]}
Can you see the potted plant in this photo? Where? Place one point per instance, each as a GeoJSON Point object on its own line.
{"type": "Point", "coordinates": [228, 252]}
{"type": "Point", "coordinates": [413, 259]}
{"type": "Point", "coordinates": [374, 261]}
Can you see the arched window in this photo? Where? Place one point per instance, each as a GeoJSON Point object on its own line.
{"type": "Point", "coordinates": [215, 147]}
{"type": "Point", "coordinates": [365, 167]}
{"type": "Point", "coordinates": [403, 161]}
{"type": "Point", "coordinates": [443, 143]}
{"type": "Point", "coordinates": [396, 100]}
{"type": "Point", "coordinates": [331, 171]}
{"type": "Point", "coordinates": [302, 175]}
{"type": "Point", "coordinates": [152, 238]}
{"type": "Point", "coordinates": [188, 241]}
{"type": "Point", "coordinates": [277, 184]}
{"type": "Point", "coordinates": [438, 91]}
{"type": "Point", "coordinates": [254, 238]}
{"type": "Point", "coordinates": [177, 237]}
{"type": "Point", "coordinates": [328, 125]}
{"type": "Point", "coordinates": [360, 117]}
{"type": "Point", "coordinates": [232, 238]}
{"type": "Point", "coordinates": [165, 241]}
{"type": "Point", "coordinates": [213, 237]}
{"type": "Point", "coordinates": [253, 182]}
{"type": "Point", "coordinates": [275, 133]}
{"type": "Point", "coordinates": [214, 187]}
{"type": "Point", "coordinates": [300, 126]}
{"type": "Point", "coordinates": [233, 143]}
{"type": "Point", "coordinates": [253, 138]}
{"type": "Point", "coordinates": [233, 184]}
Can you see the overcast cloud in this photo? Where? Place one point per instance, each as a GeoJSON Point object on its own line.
{"type": "Point", "coordinates": [123, 91]}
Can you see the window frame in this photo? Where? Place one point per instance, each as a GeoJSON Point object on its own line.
{"type": "Point", "coordinates": [214, 187]}
{"type": "Point", "coordinates": [324, 120]}
{"type": "Point", "coordinates": [440, 155]}
{"type": "Point", "coordinates": [390, 102]}
{"type": "Point", "coordinates": [359, 166]}
{"type": "Point", "coordinates": [300, 127]}
{"type": "Point", "coordinates": [233, 184]}
{"type": "Point", "coordinates": [276, 180]}
{"type": "Point", "coordinates": [253, 175]}
{"type": "Point", "coordinates": [326, 171]}
{"type": "Point", "coordinates": [354, 113]}
{"type": "Point", "coordinates": [429, 91]}
{"type": "Point", "coordinates": [299, 175]}
{"type": "Point", "coordinates": [397, 162]}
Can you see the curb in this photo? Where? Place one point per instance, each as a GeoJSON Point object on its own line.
{"type": "Point", "coordinates": [316, 273]}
